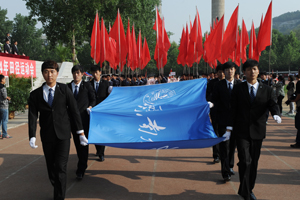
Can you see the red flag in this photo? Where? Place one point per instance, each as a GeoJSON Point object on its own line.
{"type": "Point", "coordinates": [146, 54]}
{"type": "Point", "coordinates": [162, 42]}
{"type": "Point", "coordinates": [264, 38]}
{"type": "Point", "coordinates": [230, 36]}
{"type": "Point", "coordinates": [105, 46]}
{"type": "Point", "coordinates": [245, 42]}
{"type": "Point", "coordinates": [214, 42]}
{"type": "Point", "coordinates": [139, 51]}
{"type": "Point", "coordinates": [253, 54]}
{"type": "Point", "coordinates": [134, 51]}
{"type": "Point", "coordinates": [182, 49]}
{"type": "Point", "coordinates": [117, 32]}
{"type": "Point", "coordinates": [238, 52]}
{"type": "Point", "coordinates": [196, 39]}
{"type": "Point", "coordinates": [129, 45]}
{"type": "Point", "coordinates": [95, 40]}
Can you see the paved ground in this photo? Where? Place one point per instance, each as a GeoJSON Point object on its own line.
{"type": "Point", "coordinates": [149, 174]}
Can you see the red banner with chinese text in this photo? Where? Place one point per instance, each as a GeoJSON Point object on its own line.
{"type": "Point", "coordinates": [19, 67]}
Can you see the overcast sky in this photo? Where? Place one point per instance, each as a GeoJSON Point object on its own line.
{"type": "Point", "coordinates": [177, 12]}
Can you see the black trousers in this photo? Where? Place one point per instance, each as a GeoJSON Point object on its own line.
{"type": "Point", "coordinates": [82, 151]}
{"type": "Point", "coordinates": [56, 155]}
{"type": "Point", "coordinates": [100, 150]}
{"type": "Point", "coordinates": [297, 126]}
{"type": "Point", "coordinates": [224, 148]}
{"type": "Point", "coordinates": [248, 154]}
{"type": "Point", "coordinates": [279, 102]}
{"type": "Point", "coordinates": [215, 147]}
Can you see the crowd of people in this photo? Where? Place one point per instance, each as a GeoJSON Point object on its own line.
{"type": "Point", "coordinates": [239, 112]}
{"type": "Point", "coordinates": [10, 48]}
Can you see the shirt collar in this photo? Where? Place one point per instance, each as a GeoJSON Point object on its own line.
{"type": "Point", "coordinates": [47, 87]}
{"type": "Point", "coordinates": [230, 81]}
{"type": "Point", "coordinates": [76, 84]}
{"type": "Point", "coordinates": [255, 85]}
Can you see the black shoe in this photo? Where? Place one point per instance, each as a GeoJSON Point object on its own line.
{"type": "Point", "coordinates": [227, 178]}
{"type": "Point", "coordinates": [101, 158]}
{"type": "Point", "coordinates": [216, 160]}
{"type": "Point", "coordinates": [79, 177]}
{"type": "Point", "coordinates": [232, 172]}
{"type": "Point", "coordinates": [295, 145]}
{"type": "Point", "coordinates": [97, 154]}
{"type": "Point", "coordinates": [252, 196]}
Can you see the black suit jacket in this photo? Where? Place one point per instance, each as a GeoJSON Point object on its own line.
{"type": "Point", "coordinates": [7, 48]}
{"type": "Point", "coordinates": [102, 92]}
{"type": "Point", "coordinates": [221, 100]}
{"type": "Point", "coordinates": [15, 49]}
{"type": "Point", "coordinates": [249, 119]}
{"type": "Point", "coordinates": [210, 88]}
{"type": "Point", "coordinates": [85, 98]}
{"type": "Point", "coordinates": [54, 122]}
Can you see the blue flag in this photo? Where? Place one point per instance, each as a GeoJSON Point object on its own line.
{"type": "Point", "coordinates": [162, 116]}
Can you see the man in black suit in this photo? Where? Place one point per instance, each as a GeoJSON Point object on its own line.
{"type": "Point", "coordinates": [54, 104]}
{"type": "Point", "coordinates": [7, 47]}
{"type": "Point", "coordinates": [15, 48]}
{"type": "Point", "coordinates": [85, 98]}
{"type": "Point", "coordinates": [213, 114]}
{"type": "Point", "coordinates": [249, 102]}
{"type": "Point", "coordinates": [102, 89]}
{"type": "Point", "coordinates": [221, 99]}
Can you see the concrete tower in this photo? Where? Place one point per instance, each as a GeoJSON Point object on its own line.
{"type": "Point", "coordinates": [217, 9]}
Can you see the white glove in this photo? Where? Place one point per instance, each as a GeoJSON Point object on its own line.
{"type": "Point", "coordinates": [88, 110]}
{"type": "Point", "coordinates": [277, 119]}
{"type": "Point", "coordinates": [210, 104]}
{"type": "Point", "coordinates": [227, 135]}
{"type": "Point", "coordinates": [83, 140]}
{"type": "Point", "coordinates": [32, 143]}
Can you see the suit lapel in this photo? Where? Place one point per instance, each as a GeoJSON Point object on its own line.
{"type": "Point", "coordinates": [57, 93]}
{"type": "Point", "coordinates": [246, 92]}
{"type": "Point", "coordinates": [259, 91]}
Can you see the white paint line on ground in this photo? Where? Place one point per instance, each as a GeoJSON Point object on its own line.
{"type": "Point", "coordinates": [20, 169]}
{"type": "Point", "coordinates": [153, 176]}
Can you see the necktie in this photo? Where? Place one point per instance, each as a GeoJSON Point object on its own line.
{"type": "Point", "coordinates": [50, 97]}
{"type": "Point", "coordinates": [76, 92]}
{"type": "Point", "coordinates": [97, 86]}
{"type": "Point", "coordinates": [229, 87]}
{"type": "Point", "coordinates": [252, 96]}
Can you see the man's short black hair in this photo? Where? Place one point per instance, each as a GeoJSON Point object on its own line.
{"type": "Point", "coordinates": [229, 65]}
{"type": "Point", "coordinates": [263, 73]}
{"type": "Point", "coordinates": [1, 77]}
{"type": "Point", "coordinates": [237, 73]}
{"type": "Point", "coordinates": [219, 67]}
{"type": "Point", "coordinates": [250, 63]}
{"type": "Point", "coordinates": [50, 64]}
{"type": "Point", "coordinates": [75, 68]}
{"type": "Point", "coordinates": [95, 68]}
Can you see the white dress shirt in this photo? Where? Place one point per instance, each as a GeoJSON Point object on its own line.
{"type": "Point", "coordinates": [255, 87]}
{"type": "Point", "coordinates": [73, 86]}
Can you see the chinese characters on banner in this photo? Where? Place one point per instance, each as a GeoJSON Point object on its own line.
{"type": "Point", "coordinates": [19, 67]}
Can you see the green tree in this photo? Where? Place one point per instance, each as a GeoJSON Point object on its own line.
{"type": "Point", "coordinates": [5, 25]}
{"type": "Point", "coordinates": [28, 36]}
{"type": "Point", "coordinates": [70, 22]}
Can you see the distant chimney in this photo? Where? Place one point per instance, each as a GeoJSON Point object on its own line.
{"type": "Point", "coordinates": [217, 10]}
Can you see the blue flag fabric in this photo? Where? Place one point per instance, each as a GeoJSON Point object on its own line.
{"type": "Point", "coordinates": [162, 116]}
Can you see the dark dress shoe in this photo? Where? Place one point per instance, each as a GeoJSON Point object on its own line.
{"type": "Point", "coordinates": [216, 160]}
{"type": "Point", "coordinates": [227, 178]}
{"type": "Point", "coordinates": [101, 158]}
{"type": "Point", "coordinates": [295, 145]}
{"type": "Point", "coordinates": [232, 172]}
{"type": "Point", "coordinates": [252, 196]}
{"type": "Point", "coordinates": [79, 177]}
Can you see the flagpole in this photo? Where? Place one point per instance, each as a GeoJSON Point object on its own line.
{"type": "Point", "coordinates": [157, 40]}
{"type": "Point", "coordinates": [119, 40]}
{"type": "Point", "coordinates": [96, 38]}
{"type": "Point", "coordinates": [270, 40]}
{"type": "Point", "coordinates": [237, 31]}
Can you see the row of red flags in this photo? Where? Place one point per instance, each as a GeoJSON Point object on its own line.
{"type": "Point", "coordinates": [224, 45]}
{"type": "Point", "coordinates": [115, 47]}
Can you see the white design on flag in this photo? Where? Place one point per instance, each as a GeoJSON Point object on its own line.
{"type": "Point", "coordinates": [149, 140]}
{"type": "Point", "coordinates": [152, 126]}
{"type": "Point", "coordinates": [166, 147]}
